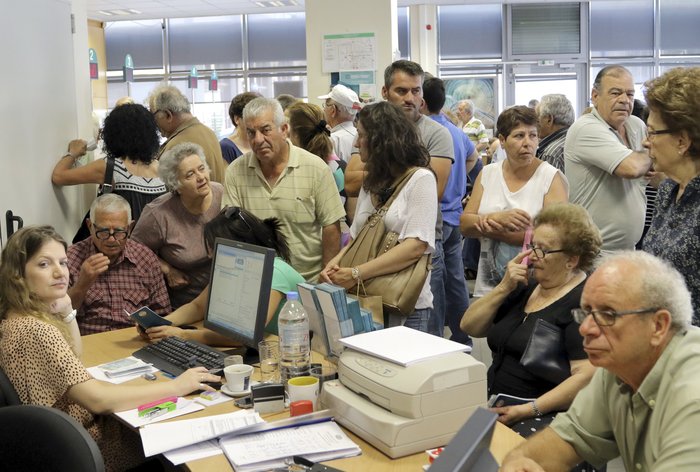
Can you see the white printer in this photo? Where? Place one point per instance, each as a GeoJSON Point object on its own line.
{"type": "Point", "coordinates": [403, 410]}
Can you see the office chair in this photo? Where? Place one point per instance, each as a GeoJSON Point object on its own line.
{"type": "Point", "coordinates": [8, 394]}
{"type": "Point", "coordinates": [36, 438]}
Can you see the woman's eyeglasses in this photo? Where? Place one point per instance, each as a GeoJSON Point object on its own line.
{"type": "Point", "coordinates": [235, 212]}
{"type": "Point", "coordinates": [541, 253]}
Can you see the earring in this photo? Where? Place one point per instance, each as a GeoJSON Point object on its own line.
{"type": "Point", "coordinates": [569, 266]}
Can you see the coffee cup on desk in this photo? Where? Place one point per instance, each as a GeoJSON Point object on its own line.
{"type": "Point", "coordinates": [238, 377]}
{"type": "Point", "coordinates": [303, 388]}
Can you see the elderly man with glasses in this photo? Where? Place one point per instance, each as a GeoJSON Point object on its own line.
{"type": "Point", "coordinates": [644, 403]}
{"type": "Point", "coordinates": [110, 274]}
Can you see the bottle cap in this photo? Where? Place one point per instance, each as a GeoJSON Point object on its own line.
{"type": "Point", "coordinates": [292, 296]}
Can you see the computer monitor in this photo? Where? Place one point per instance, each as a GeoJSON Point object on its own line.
{"type": "Point", "coordinates": [239, 291]}
{"type": "Point", "coordinates": [469, 449]}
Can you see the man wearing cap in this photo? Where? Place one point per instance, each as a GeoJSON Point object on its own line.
{"type": "Point", "coordinates": [341, 105]}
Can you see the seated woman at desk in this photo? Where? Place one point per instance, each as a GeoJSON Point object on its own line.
{"type": "Point", "coordinates": [40, 347]}
{"type": "Point", "coordinates": [239, 225]}
{"type": "Point", "coordinates": [564, 245]}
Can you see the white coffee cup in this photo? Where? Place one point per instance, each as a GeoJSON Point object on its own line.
{"type": "Point", "coordinates": [303, 388]}
{"type": "Point", "coordinates": [238, 377]}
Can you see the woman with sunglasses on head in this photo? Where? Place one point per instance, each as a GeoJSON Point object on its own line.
{"type": "Point", "coordinates": [40, 349]}
{"type": "Point", "coordinates": [673, 140]}
{"type": "Point", "coordinates": [564, 246]}
{"type": "Point", "coordinates": [239, 225]}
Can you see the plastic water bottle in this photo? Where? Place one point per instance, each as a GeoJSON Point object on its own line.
{"type": "Point", "coordinates": [293, 327]}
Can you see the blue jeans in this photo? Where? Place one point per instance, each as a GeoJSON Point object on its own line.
{"type": "Point", "coordinates": [456, 295]}
{"type": "Point", "coordinates": [417, 320]}
{"type": "Point", "coordinates": [436, 325]}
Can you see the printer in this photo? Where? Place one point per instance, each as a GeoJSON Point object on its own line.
{"type": "Point", "coordinates": [402, 410]}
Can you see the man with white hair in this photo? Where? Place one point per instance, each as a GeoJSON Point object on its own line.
{"type": "Point", "coordinates": [110, 274]}
{"type": "Point", "coordinates": [554, 116]}
{"type": "Point", "coordinates": [278, 179]}
{"type": "Point", "coordinates": [643, 404]}
{"type": "Point", "coordinates": [474, 128]}
{"type": "Point", "coordinates": [171, 110]}
{"type": "Point", "coordinates": [340, 107]}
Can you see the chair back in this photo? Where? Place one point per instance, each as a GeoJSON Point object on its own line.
{"type": "Point", "coordinates": [36, 438]}
{"type": "Point", "coordinates": [8, 394]}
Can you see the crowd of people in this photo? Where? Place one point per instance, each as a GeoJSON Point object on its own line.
{"type": "Point", "coordinates": [552, 226]}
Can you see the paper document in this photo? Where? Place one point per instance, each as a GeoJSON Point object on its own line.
{"type": "Point", "coordinates": [98, 373]}
{"type": "Point", "coordinates": [402, 345]}
{"type": "Point", "coordinates": [264, 451]}
{"type": "Point", "coordinates": [194, 452]}
{"type": "Point", "coordinates": [162, 437]}
{"type": "Point", "coordinates": [184, 407]}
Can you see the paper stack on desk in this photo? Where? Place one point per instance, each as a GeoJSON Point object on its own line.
{"type": "Point", "coordinates": [264, 451]}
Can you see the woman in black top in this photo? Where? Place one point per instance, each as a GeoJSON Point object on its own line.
{"type": "Point", "coordinates": [564, 245]}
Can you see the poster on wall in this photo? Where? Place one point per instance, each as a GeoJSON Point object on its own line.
{"type": "Point", "coordinates": [481, 90]}
{"type": "Point", "coordinates": [349, 52]}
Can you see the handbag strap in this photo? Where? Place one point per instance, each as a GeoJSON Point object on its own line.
{"type": "Point", "coordinates": [109, 176]}
{"type": "Point", "coordinates": [398, 185]}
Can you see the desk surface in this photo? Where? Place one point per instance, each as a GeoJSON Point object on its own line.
{"type": "Point", "coordinates": [104, 347]}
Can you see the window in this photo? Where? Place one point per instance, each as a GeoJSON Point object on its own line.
{"type": "Point", "coordinates": [545, 29]}
{"type": "Point", "coordinates": [469, 32]}
{"type": "Point", "coordinates": [218, 44]}
{"type": "Point", "coordinates": [404, 32]}
{"type": "Point", "coordinates": [277, 40]}
{"type": "Point", "coordinates": [143, 39]}
{"type": "Point", "coordinates": [622, 29]}
{"type": "Point", "coordinates": [679, 27]}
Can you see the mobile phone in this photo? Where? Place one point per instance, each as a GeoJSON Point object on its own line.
{"type": "Point", "coordinates": [244, 402]}
{"type": "Point", "coordinates": [147, 318]}
{"type": "Point", "coordinates": [526, 242]}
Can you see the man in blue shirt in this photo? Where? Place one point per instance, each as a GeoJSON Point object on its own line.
{"type": "Point", "coordinates": [456, 296]}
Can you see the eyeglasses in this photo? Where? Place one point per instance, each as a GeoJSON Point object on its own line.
{"type": "Point", "coordinates": [104, 234]}
{"type": "Point", "coordinates": [606, 317]}
{"type": "Point", "coordinates": [655, 132]}
{"type": "Point", "coordinates": [329, 104]}
{"type": "Point", "coordinates": [541, 253]}
{"type": "Point", "coordinates": [235, 212]}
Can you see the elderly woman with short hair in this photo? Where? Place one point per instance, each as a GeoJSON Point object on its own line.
{"type": "Point", "coordinates": [172, 225]}
{"type": "Point", "coordinates": [673, 140]}
{"type": "Point", "coordinates": [564, 246]}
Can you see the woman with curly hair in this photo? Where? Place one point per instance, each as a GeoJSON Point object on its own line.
{"type": "Point", "coordinates": [673, 140]}
{"type": "Point", "coordinates": [565, 244]}
{"type": "Point", "coordinates": [40, 349]}
{"type": "Point", "coordinates": [130, 137]}
{"type": "Point", "coordinates": [390, 146]}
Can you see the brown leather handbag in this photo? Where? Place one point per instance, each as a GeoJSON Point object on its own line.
{"type": "Point", "coordinates": [399, 290]}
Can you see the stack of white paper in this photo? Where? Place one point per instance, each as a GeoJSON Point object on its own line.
{"type": "Point", "coordinates": [264, 451]}
{"type": "Point", "coordinates": [401, 345]}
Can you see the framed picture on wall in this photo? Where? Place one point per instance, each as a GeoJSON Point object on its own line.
{"type": "Point", "coordinates": [481, 90]}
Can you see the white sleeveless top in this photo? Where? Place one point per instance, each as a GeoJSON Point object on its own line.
{"type": "Point", "coordinates": [496, 196]}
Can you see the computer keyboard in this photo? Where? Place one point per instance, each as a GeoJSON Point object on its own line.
{"type": "Point", "coordinates": [175, 355]}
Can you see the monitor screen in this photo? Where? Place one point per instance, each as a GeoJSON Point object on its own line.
{"type": "Point", "coordinates": [239, 291]}
{"type": "Point", "coordinates": [469, 449]}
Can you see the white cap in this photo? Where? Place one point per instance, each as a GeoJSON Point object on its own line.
{"type": "Point", "coordinates": [344, 96]}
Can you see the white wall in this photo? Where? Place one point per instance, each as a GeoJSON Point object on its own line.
{"type": "Point", "coordinates": [39, 109]}
{"type": "Point", "coordinates": [342, 17]}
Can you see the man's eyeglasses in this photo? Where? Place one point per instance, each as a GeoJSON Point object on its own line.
{"type": "Point", "coordinates": [606, 317]}
{"type": "Point", "coordinates": [104, 234]}
{"type": "Point", "coordinates": [235, 212]}
{"type": "Point", "coordinates": [541, 253]}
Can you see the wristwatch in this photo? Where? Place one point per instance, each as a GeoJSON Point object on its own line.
{"type": "Point", "coordinates": [70, 316]}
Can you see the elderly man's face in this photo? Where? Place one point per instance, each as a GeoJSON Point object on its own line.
{"type": "Point", "coordinates": [544, 123]}
{"type": "Point", "coordinates": [405, 91]}
{"type": "Point", "coordinates": [110, 231]}
{"type": "Point", "coordinates": [615, 99]}
{"type": "Point", "coordinates": [622, 345]}
{"type": "Point", "coordinates": [464, 113]}
{"type": "Point", "coordinates": [267, 140]}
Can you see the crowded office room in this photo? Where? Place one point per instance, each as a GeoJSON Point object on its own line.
{"type": "Point", "coordinates": [456, 235]}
